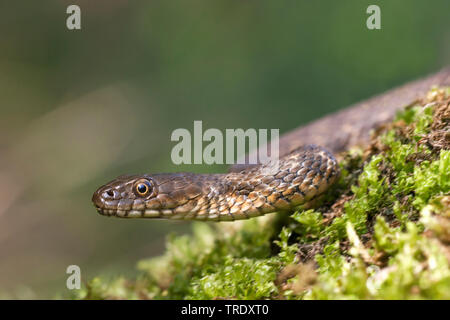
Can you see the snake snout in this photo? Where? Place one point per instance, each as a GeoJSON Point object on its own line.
{"type": "Point", "coordinates": [105, 197]}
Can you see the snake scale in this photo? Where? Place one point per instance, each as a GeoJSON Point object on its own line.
{"type": "Point", "coordinates": [306, 169]}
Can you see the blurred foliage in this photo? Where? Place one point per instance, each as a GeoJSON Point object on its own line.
{"type": "Point", "coordinates": [79, 108]}
{"type": "Point", "coordinates": [385, 237]}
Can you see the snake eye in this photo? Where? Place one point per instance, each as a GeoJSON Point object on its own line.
{"type": "Point", "coordinates": [143, 187]}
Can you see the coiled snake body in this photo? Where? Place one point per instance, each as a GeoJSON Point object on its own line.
{"type": "Point", "coordinates": [304, 171]}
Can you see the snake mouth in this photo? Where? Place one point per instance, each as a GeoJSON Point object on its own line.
{"type": "Point", "coordinates": [120, 213]}
{"type": "Point", "coordinates": [114, 207]}
{"type": "Point", "coordinates": [108, 202]}
{"type": "Point", "coordinates": [130, 213]}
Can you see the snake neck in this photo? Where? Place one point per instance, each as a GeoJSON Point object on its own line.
{"type": "Point", "coordinates": [277, 186]}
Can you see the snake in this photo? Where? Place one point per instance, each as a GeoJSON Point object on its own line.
{"type": "Point", "coordinates": [307, 167]}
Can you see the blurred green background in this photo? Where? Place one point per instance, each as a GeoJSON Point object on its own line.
{"type": "Point", "coordinates": [79, 108]}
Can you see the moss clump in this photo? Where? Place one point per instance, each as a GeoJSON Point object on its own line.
{"type": "Point", "coordinates": [383, 232]}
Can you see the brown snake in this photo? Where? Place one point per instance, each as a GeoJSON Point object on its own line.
{"type": "Point", "coordinates": [305, 170]}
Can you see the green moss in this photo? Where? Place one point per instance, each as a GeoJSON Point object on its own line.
{"type": "Point", "coordinates": [237, 278]}
{"type": "Point", "coordinates": [417, 269]}
{"type": "Point", "coordinates": [310, 224]}
{"type": "Point", "coordinates": [195, 266]}
{"type": "Point", "coordinates": [381, 233]}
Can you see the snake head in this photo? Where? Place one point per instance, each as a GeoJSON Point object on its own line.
{"type": "Point", "coordinates": [146, 196]}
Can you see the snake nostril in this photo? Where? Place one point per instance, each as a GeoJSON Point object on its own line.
{"type": "Point", "coordinates": [109, 193]}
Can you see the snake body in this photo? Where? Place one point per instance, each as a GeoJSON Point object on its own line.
{"type": "Point", "coordinates": [299, 177]}
{"type": "Point", "coordinates": [304, 171]}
